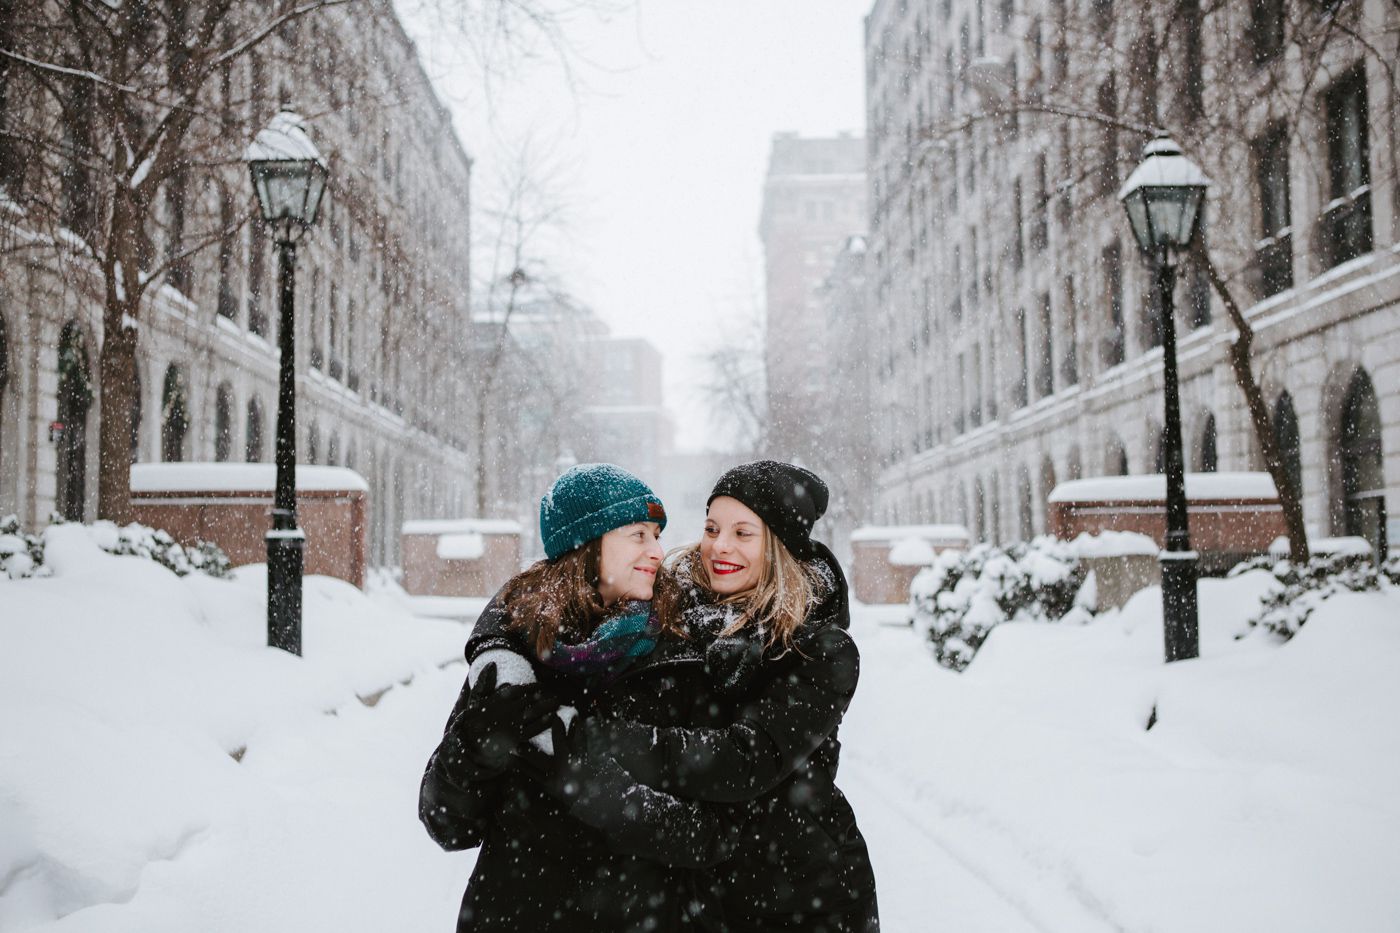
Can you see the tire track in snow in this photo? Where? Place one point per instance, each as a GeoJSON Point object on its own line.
{"type": "Point", "coordinates": [1043, 894]}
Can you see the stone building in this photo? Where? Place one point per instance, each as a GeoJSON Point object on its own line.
{"type": "Point", "coordinates": [1016, 341]}
{"type": "Point", "coordinates": [382, 297]}
{"type": "Point", "coordinates": [813, 199]}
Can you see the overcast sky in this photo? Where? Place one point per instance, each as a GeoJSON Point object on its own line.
{"type": "Point", "coordinates": [660, 151]}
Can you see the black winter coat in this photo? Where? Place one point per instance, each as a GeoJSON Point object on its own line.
{"type": "Point", "coordinates": [802, 863]}
{"type": "Point", "coordinates": [539, 868]}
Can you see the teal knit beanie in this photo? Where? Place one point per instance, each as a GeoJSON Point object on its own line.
{"type": "Point", "coordinates": [590, 500]}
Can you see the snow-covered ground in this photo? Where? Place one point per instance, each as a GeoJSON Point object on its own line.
{"type": "Point", "coordinates": [1023, 794]}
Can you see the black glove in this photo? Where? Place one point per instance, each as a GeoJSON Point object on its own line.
{"type": "Point", "coordinates": [635, 819]}
{"type": "Point", "coordinates": [492, 724]}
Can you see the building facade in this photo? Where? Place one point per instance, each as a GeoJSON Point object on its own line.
{"type": "Point", "coordinates": [1016, 340]}
{"type": "Point", "coordinates": [813, 200]}
{"type": "Point", "coordinates": [382, 296]}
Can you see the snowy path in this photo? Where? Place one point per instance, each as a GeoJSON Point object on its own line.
{"type": "Point", "coordinates": [938, 865]}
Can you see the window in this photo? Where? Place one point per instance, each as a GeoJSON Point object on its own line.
{"type": "Point", "coordinates": [174, 416]}
{"type": "Point", "coordinates": [1273, 253]}
{"type": "Point", "coordinates": [1069, 366]}
{"type": "Point", "coordinates": [253, 439]}
{"type": "Point", "coordinates": [1022, 388]}
{"type": "Point", "coordinates": [1112, 345]}
{"type": "Point", "coordinates": [1018, 255]}
{"type": "Point", "coordinates": [960, 419]}
{"type": "Point", "coordinates": [1040, 218]}
{"type": "Point", "coordinates": [1045, 351]}
{"type": "Point", "coordinates": [257, 250]}
{"type": "Point", "coordinates": [1290, 446]}
{"type": "Point", "coordinates": [1210, 455]}
{"type": "Point", "coordinates": [225, 303]}
{"type": "Point", "coordinates": [1108, 138]}
{"type": "Point", "coordinates": [1266, 24]}
{"type": "Point", "coordinates": [1346, 220]}
{"type": "Point", "coordinates": [223, 423]}
{"type": "Point", "coordinates": [178, 272]}
{"type": "Point", "coordinates": [1192, 89]}
{"type": "Point", "coordinates": [1150, 326]}
{"type": "Point", "coordinates": [974, 413]}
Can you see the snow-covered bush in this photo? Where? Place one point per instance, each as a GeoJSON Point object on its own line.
{"type": "Point", "coordinates": [1305, 586]}
{"type": "Point", "coordinates": [22, 555]}
{"type": "Point", "coordinates": [965, 594]}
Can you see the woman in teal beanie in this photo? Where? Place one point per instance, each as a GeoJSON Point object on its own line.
{"type": "Point", "coordinates": [576, 631]}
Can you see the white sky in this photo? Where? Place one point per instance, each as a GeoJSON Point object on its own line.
{"type": "Point", "coordinates": [661, 151]}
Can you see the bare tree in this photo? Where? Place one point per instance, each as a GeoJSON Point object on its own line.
{"type": "Point", "coordinates": [120, 117]}
{"type": "Point", "coordinates": [735, 387]}
{"type": "Point", "coordinates": [526, 355]}
{"type": "Point", "coordinates": [1092, 87]}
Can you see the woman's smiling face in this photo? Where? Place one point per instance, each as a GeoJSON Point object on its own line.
{"type": "Point", "coordinates": [627, 566]}
{"type": "Point", "coordinates": [732, 546]}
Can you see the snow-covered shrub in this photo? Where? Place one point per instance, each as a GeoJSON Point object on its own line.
{"type": "Point", "coordinates": [22, 555]}
{"type": "Point", "coordinates": [1305, 586]}
{"type": "Point", "coordinates": [965, 594]}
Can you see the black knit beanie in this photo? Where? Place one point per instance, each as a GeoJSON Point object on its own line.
{"type": "Point", "coordinates": [788, 498]}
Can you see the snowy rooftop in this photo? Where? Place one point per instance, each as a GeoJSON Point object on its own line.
{"type": "Point", "coordinates": [951, 533]}
{"type": "Point", "coordinates": [238, 477]}
{"type": "Point", "coordinates": [1152, 487]}
{"type": "Point", "coordinates": [462, 526]}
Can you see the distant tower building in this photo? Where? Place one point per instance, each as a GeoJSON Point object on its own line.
{"type": "Point", "coordinates": [813, 201]}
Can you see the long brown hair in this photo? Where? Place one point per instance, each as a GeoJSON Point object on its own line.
{"type": "Point", "coordinates": [558, 598]}
{"type": "Point", "coordinates": [776, 606]}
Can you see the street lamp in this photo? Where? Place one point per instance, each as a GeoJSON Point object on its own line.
{"type": "Point", "coordinates": [289, 177]}
{"type": "Point", "coordinates": [1163, 197]}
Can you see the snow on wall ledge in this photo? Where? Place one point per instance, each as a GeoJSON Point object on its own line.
{"type": "Point", "coordinates": [239, 477]}
{"type": "Point", "coordinates": [462, 526]}
{"type": "Point", "coordinates": [1152, 487]}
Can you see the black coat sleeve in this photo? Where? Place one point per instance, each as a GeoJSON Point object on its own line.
{"type": "Point", "coordinates": [492, 630]}
{"type": "Point", "coordinates": [639, 820]}
{"type": "Point", "coordinates": [797, 702]}
{"type": "Point", "coordinates": [453, 808]}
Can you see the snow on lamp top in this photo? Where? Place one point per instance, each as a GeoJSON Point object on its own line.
{"type": "Point", "coordinates": [1163, 197]}
{"type": "Point", "coordinates": [289, 173]}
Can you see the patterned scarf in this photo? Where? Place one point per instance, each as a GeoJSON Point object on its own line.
{"type": "Point", "coordinates": [628, 634]}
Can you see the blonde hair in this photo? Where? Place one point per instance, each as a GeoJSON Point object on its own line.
{"type": "Point", "coordinates": [776, 606]}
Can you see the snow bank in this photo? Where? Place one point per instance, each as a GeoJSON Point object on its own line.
{"type": "Point", "coordinates": [124, 689]}
{"type": "Point", "coordinates": [1262, 797]}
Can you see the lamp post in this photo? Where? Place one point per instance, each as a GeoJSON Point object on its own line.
{"type": "Point", "coordinates": [289, 177]}
{"type": "Point", "coordinates": [1163, 197]}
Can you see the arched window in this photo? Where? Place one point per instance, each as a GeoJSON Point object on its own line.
{"type": "Point", "coordinates": [223, 423]}
{"type": "Point", "coordinates": [333, 450]}
{"type": "Point", "coordinates": [1115, 461]}
{"type": "Point", "coordinates": [253, 439]}
{"type": "Point", "coordinates": [1209, 460]}
{"type": "Point", "coordinates": [174, 415]}
{"type": "Point", "coordinates": [137, 412]}
{"type": "Point", "coordinates": [70, 425]}
{"type": "Point", "coordinates": [1047, 486]}
{"type": "Point", "coordinates": [979, 511]}
{"type": "Point", "coordinates": [313, 443]}
{"type": "Point", "coordinates": [1358, 458]}
{"type": "Point", "coordinates": [1026, 513]}
{"type": "Point", "coordinates": [1075, 463]}
{"type": "Point", "coordinates": [1290, 445]}
{"type": "Point", "coordinates": [350, 453]}
{"type": "Point", "coordinates": [1159, 453]}
{"type": "Point", "coordinates": [4, 382]}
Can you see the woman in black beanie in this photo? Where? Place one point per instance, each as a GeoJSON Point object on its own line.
{"type": "Point", "coordinates": [770, 607]}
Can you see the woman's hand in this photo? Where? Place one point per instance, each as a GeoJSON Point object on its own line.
{"type": "Point", "coordinates": [491, 725]}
